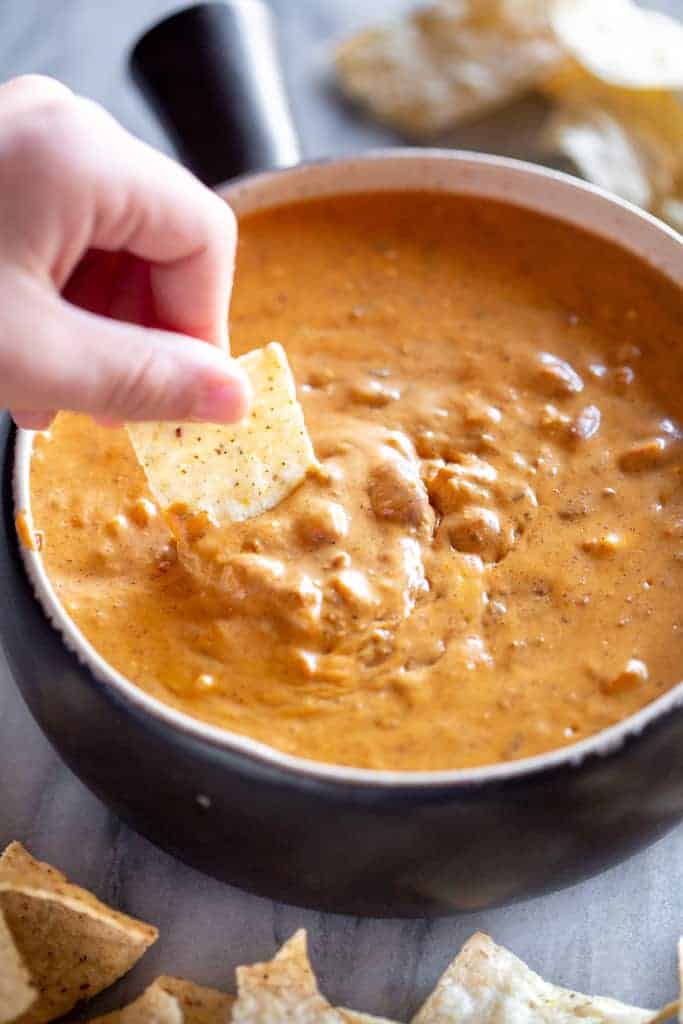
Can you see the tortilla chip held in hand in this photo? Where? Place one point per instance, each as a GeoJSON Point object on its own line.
{"type": "Point", "coordinates": [234, 472]}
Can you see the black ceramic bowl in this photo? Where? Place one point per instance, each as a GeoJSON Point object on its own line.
{"type": "Point", "coordinates": [372, 843]}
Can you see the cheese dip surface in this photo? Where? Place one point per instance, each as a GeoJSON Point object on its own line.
{"type": "Point", "coordinates": [487, 564]}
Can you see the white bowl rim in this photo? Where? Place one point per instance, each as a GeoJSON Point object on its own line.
{"type": "Point", "coordinates": [509, 181]}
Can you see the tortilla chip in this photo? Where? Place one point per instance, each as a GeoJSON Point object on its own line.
{"type": "Point", "coordinates": [155, 1006]}
{"type": "Point", "coordinates": [619, 42]}
{"type": "Point", "coordinates": [447, 63]}
{"type": "Point", "coordinates": [607, 153]}
{"type": "Point", "coordinates": [17, 993]}
{"type": "Point", "coordinates": [627, 140]}
{"type": "Point", "coordinates": [199, 1005]}
{"type": "Point", "coordinates": [73, 945]}
{"type": "Point", "coordinates": [235, 472]}
{"type": "Point", "coordinates": [620, 120]}
{"type": "Point", "coordinates": [486, 984]}
{"type": "Point", "coordinates": [283, 990]}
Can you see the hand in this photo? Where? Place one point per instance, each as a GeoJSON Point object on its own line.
{"type": "Point", "coordinates": [113, 261]}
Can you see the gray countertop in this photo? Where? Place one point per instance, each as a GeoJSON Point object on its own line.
{"type": "Point", "coordinates": [614, 935]}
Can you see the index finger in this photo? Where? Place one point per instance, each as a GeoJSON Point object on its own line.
{"type": "Point", "coordinates": [149, 205]}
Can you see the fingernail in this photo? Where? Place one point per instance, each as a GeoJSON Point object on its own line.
{"type": "Point", "coordinates": [223, 403]}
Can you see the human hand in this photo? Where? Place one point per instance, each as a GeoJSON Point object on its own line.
{"type": "Point", "coordinates": [113, 259]}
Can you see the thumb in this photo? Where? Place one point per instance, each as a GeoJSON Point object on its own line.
{"type": "Point", "coordinates": [56, 356]}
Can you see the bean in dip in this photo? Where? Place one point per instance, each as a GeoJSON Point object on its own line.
{"type": "Point", "coordinates": [486, 563]}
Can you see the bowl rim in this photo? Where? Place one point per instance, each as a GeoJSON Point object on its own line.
{"type": "Point", "coordinates": [246, 190]}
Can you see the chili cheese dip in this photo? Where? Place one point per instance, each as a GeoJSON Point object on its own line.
{"type": "Point", "coordinates": [488, 562]}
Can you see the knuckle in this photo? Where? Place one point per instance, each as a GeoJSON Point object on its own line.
{"type": "Point", "coordinates": [29, 142]}
{"type": "Point", "coordinates": [41, 139]}
{"type": "Point", "coordinates": [48, 128]}
{"type": "Point", "coordinates": [60, 123]}
{"type": "Point", "coordinates": [36, 89]}
{"type": "Point", "coordinates": [52, 151]}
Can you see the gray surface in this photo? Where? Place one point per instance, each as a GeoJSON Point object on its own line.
{"type": "Point", "coordinates": [614, 935]}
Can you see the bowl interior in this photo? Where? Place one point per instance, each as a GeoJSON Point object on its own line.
{"type": "Point", "coordinates": [520, 184]}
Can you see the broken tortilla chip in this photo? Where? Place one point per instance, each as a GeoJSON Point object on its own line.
{"type": "Point", "coordinates": [155, 1006]}
{"type": "Point", "coordinates": [235, 472]}
{"type": "Point", "coordinates": [72, 945]}
{"type": "Point", "coordinates": [17, 993]}
{"type": "Point", "coordinates": [486, 984]}
{"type": "Point", "coordinates": [283, 990]}
{"type": "Point", "coordinates": [620, 43]}
{"type": "Point", "coordinates": [447, 63]}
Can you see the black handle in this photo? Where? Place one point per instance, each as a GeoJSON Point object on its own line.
{"type": "Point", "coordinates": [212, 74]}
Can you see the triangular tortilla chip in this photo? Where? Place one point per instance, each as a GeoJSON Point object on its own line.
{"type": "Point", "coordinates": [17, 993]}
{"type": "Point", "coordinates": [234, 472]}
{"type": "Point", "coordinates": [282, 991]}
{"type": "Point", "coordinates": [486, 984]}
{"type": "Point", "coordinates": [155, 1006]}
{"type": "Point", "coordinates": [73, 945]}
{"type": "Point", "coordinates": [199, 1005]}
